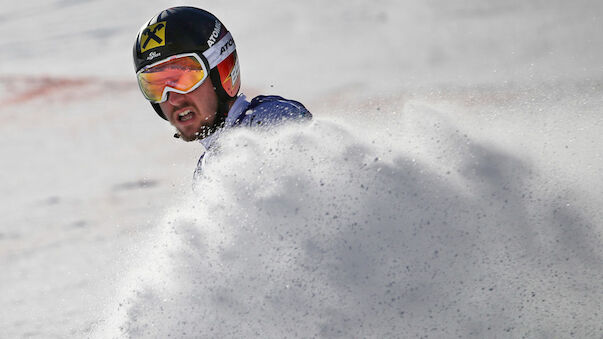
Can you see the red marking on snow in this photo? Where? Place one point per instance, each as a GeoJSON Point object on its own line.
{"type": "Point", "coordinates": [19, 90]}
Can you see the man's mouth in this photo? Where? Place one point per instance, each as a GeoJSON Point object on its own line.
{"type": "Point", "coordinates": [185, 115]}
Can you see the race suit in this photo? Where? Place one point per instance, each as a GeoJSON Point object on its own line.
{"type": "Point", "coordinates": [263, 110]}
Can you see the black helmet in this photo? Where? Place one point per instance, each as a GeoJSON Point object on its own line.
{"type": "Point", "coordinates": [179, 30]}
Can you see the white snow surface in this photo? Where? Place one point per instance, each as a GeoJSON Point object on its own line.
{"type": "Point", "coordinates": [449, 184]}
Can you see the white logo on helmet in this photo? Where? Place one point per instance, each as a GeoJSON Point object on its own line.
{"type": "Point", "coordinates": [153, 55]}
{"type": "Point", "coordinates": [214, 34]}
{"type": "Point", "coordinates": [220, 50]}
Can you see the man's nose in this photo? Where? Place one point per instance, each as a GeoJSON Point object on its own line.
{"type": "Point", "coordinates": [176, 99]}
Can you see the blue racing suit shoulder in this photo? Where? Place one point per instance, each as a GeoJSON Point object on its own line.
{"type": "Point", "coordinates": [263, 110]}
{"type": "Point", "coordinates": [272, 109]}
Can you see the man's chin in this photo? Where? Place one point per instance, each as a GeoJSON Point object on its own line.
{"type": "Point", "coordinates": [203, 132]}
{"type": "Point", "coordinates": [188, 137]}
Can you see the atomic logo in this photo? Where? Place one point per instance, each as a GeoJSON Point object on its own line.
{"type": "Point", "coordinates": [153, 36]}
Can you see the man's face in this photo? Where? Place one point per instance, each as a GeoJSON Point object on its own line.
{"type": "Point", "coordinates": [192, 112]}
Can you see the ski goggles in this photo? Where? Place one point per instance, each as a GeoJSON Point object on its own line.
{"type": "Point", "coordinates": [181, 73]}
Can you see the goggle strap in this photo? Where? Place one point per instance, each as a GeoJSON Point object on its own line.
{"type": "Point", "coordinates": [220, 51]}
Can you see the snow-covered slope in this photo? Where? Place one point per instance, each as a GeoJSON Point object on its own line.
{"type": "Point", "coordinates": [449, 184]}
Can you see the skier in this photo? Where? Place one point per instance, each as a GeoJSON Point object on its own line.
{"type": "Point", "coordinates": [187, 67]}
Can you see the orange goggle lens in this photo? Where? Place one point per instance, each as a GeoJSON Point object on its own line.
{"type": "Point", "coordinates": [180, 74]}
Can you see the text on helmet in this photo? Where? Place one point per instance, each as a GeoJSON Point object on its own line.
{"type": "Point", "coordinates": [214, 34]}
